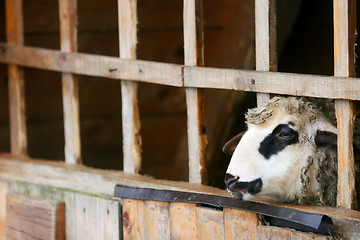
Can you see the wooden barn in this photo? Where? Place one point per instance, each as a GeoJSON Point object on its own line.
{"type": "Point", "coordinates": [113, 114]}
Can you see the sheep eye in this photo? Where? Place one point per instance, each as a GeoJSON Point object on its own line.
{"type": "Point", "coordinates": [286, 134]}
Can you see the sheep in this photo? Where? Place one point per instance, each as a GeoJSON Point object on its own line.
{"type": "Point", "coordinates": [288, 153]}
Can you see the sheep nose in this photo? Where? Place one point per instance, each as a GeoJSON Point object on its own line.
{"type": "Point", "coordinates": [230, 181]}
{"type": "Point", "coordinates": [234, 186]}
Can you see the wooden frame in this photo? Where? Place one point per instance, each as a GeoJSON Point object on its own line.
{"type": "Point", "coordinates": [192, 76]}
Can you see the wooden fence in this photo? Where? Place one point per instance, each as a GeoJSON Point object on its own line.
{"type": "Point", "coordinates": [78, 185]}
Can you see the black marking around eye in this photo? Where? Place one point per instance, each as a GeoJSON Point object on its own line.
{"type": "Point", "coordinates": [272, 144]}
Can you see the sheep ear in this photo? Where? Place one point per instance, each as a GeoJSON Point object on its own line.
{"type": "Point", "coordinates": [230, 145]}
{"type": "Point", "coordinates": [325, 138]}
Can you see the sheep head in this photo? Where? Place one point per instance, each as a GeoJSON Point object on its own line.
{"type": "Point", "coordinates": [288, 152]}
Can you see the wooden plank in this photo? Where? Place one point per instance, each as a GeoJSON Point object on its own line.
{"type": "Point", "coordinates": [89, 217]}
{"type": "Point", "coordinates": [240, 224]}
{"type": "Point", "coordinates": [344, 65]}
{"type": "Point", "coordinates": [4, 188]}
{"type": "Point", "coordinates": [209, 224]}
{"type": "Point", "coordinates": [272, 233]}
{"type": "Point", "coordinates": [15, 36]}
{"type": "Point", "coordinates": [297, 235]}
{"type": "Point", "coordinates": [32, 218]}
{"type": "Point", "coordinates": [92, 65]}
{"type": "Point", "coordinates": [334, 87]}
{"type": "Point", "coordinates": [194, 55]}
{"type": "Point", "coordinates": [68, 43]}
{"type": "Point", "coordinates": [85, 179]}
{"type": "Point", "coordinates": [157, 217]}
{"type": "Point", "coordinates": [273, 82]}
{"type": "Point", "coordinates": [132, 224]}
{"type": "Point", "coordinates": [146, 219]}
{"type": "Point", "coordinates": [183, 221]}
{"type": "Point", "coordinates": [265, 40]}
{"type": "Point", "coordinates": [127, 10]}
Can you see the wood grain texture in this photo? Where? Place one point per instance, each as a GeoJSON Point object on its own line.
{"type": "Point", "coordinates": [127, 10]}
{"type": "Point", "coordinates": [15, 36]}
{"type": "Point", "coordinates": [273, 82]}
{"type": "Point", "coordinates": [183, 221]}
{"type": "Point", "coordinates": [32, 218]}
{"type": "Point", "coordinates": [209, 224]}
{"type": "Point", "coordinates": [68, 43]}
{"type": "Point", "coordinates": [146, 220]}
{"type": "Point", "coordinates": [344, 65]}
{"type": "Point", "coordinates": [4, 189]}
{"type": "Point", "coordinates": [240, 224]}
{"type": "Point", "coordinates": [93, 65]}
{"type": "Point", "coordinates": [89, 217]}
{"type": "Point", "coordinates": [265, 40]}
{"type": "Point", "coordinates": [194, 56]}
{"type": "Point", "coordinates": [272, 233]}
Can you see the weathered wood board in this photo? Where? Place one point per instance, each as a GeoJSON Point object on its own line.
{"type": "Point", "coordinates": [4, 188]}
{"type": "Point", "coordinates": [90, 217]}
{"type": "Point", "coordinates": [32, 218]}
{"type": "Point", "coordinates": [161, 220]}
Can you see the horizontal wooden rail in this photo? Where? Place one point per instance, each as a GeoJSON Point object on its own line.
{"type": "Point", "coordinates": [85, 180]}
{"type": "Point", "coordinates": [92, 65]}
{"type": "Point", "coordinates": [183, 76]}
{"type": "Point", "coordinates": [273, 82]}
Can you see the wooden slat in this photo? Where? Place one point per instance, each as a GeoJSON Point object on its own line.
{"type": "Point", "coordinates": [183, 221]}
{"type": "Point", "coordinates": [194, 56]}
{"type": "Point", "coordinates": [131, 223]}
{"type": "Point", "coordinates": [157, 220]}
{"type": "Point", "coordinates": [89, 217]}
{"type": "Point", "coordinates": [209, 224]}
{"type": "Point", "coordinates": [240, 224]}
{"type": "Point", "coordinates": [92, 65]}
{"type": "Point", "coordinates": [15, 36]}
{"type": "Point", "coordinates": [146, 220]}
{"type": "Point", "coordinates": [127, 10]}
{"type": "Point", "coordinates": [265, 40]}
{"type": "Point", "coordinates": [32, 218]}
{"type": "Point", "coordinates": [68, 43]}
{"type": "Point", "coordinates": [272, 233]}
{"type": "Point", "coordinates": [273, 82]}
{"type": "Point", "coordinates": [344, 65]}
{"type": "Point", "coordinates": [4, 189]}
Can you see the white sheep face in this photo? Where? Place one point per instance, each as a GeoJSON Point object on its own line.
{"type": "Point", "coordinates": [271, 156]}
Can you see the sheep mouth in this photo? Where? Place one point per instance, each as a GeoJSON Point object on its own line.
{"type": "Point", "coordinates": [245, 190]}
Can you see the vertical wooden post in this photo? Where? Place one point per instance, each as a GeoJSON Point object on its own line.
{"type": "Point", "coordinates": [15, 35]}
{"type": "Point", "coordinates": [194, 56]}
{"type": "Point", "coordinates": [265, 40]}
{"type": "Point", "coordinates": [68, 42]}
{"type": "Point", "coordinates": [130, 112]}
{"type": "Point", "coordinates": [344, 66]}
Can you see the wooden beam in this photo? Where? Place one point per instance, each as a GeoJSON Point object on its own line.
{"type": "Point", "coordinates": [265, 40]}
{"type": "Point", "coordinates": [127, 10]}
{"type": "Point", "coordinates": [344, 66]}
{"type": "Point", "coordinates": [273, 82]}
{"type": "Point", "coordinates": [92, 65]}
{"type": "Point", "coordinates": [194, 56]}
{"type": "Point", "coordinates": [310, 85]}
{"type": "Point", "coordinates": [15, 36]}
{"type": "Point", "coordinates": [68, 43]}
